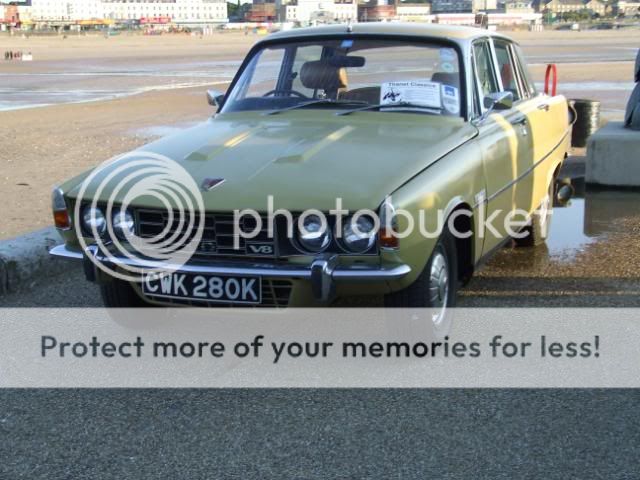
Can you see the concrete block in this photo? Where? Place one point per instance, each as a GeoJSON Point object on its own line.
{"type": "Point", "coordinates": [613, 156]}
{"type": "Point", "coordinates": [24, 258]}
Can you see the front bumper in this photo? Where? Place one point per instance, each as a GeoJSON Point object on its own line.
{"type": "Point", "coordinates": [323, 273]}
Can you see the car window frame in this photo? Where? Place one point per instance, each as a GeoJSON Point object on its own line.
{"type": "Point", "coordinates": [483, 41]}
{"type": "Point", "coordinates": [525, 75]}
{"type": "Point", "coordinates": [515, 67]}
{"type": "Point", "coordinates": [465, 113]}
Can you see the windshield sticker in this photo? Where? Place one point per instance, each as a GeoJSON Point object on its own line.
{"type": "Point", "coordinates": [347, 44]}
{"type": "Point", "coordinates": [447, 55]}
{"type": "Point", "coordinates": [447, 67]}
{"type": "Point", "coordinates": [425, 94]}
{"type": "Point", "coordinates": [450, 99]}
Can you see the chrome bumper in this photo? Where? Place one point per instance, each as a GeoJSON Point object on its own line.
{"type": "Point", "coordinates": [323, 272]}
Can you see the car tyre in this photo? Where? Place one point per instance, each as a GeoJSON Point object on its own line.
{"type": "Point", "coordinates": [436, 288]}
{"type": "Point", "coordinates": [120, 294]}
{"type": "Point", "coordinates": [538, 231]}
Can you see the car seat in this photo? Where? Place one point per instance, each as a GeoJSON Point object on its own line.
{"type": "Point", "coordinates": [320, 75]}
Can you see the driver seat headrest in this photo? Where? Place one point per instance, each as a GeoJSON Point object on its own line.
{"type": "Point", "coordinates": [319, 74]}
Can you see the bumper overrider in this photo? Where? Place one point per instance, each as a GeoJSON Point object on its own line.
{"type": "Point", "coordinates": [323, 273]}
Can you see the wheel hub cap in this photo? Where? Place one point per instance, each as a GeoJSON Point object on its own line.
{"type": "Point", "coordinates": [439, 286]}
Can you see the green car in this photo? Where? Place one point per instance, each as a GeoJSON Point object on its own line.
{"type": "Point", "coordinates": [366, 159]}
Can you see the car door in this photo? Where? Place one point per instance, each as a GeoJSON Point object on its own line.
{"type": "Point", "coordinates": [548, 126]}
{"type": "Point", "coordinates": [505, 142]}
{"type": "Point", "coordinates": [525, 107]}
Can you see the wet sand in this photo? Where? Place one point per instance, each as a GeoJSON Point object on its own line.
{"type": "Point", "coordinates": [43, 146]}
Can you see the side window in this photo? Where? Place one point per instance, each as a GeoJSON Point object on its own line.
{"type": "Point", "coordinates": [525, 75]}
{"type": "Point", "coordinates": [507, 70]}
{"type": "Point", "coordinates": [484, 69]}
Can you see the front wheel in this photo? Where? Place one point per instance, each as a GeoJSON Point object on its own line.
{"type": "Point", "coordinates": [120, 294]}
{"type": "Point", "coordinates": [436, 288]}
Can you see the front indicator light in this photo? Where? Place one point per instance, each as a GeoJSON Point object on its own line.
{"type": "Point", "coordinates": [61, 218]}
{"type": "Point", "coordinates": [388, 236]}
{"type": "Point", "coordinates": [389, 239]}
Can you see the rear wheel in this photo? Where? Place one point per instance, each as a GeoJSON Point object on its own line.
{"type": "Point", "coordinates": [538, 231]}
{"type": "Point", "coordinates": [436, 288]}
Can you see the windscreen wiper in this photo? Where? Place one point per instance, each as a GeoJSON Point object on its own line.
{"type": "Point", "coordinates": [321, 101]}
{"type": "Point", "coordinates": [392, 106]}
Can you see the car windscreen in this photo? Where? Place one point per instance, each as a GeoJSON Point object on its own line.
{"type": "Point", "coordinates": [350, 73]}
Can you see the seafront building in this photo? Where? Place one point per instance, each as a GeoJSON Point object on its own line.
{"type": "Point", "coordinates": [207, 14]}
{"type": "Point", "coordinates": [558, 7]}
{"type": "Point", "coordinates": [316, 11]}
{"type": "Point", "coordinates": [182, 12]}
{"type": "Point", "coordinates": [100, 12]}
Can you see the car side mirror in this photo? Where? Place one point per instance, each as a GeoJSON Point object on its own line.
{"type": "Point", "coordinates": [495, 102]}
{"type": "Point", "coordinates": [498, 101]}
{"type": "Point", "coordinates": [215, 98]}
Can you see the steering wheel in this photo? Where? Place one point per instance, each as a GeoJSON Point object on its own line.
{"type": "Point", "coordinates": [293, 92]}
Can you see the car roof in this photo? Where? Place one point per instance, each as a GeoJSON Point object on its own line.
{"type": "Point", "coordinates": [428, 30]}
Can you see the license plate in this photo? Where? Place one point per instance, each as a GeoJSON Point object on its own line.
{"type": "Point", "coordinates": [209, 288]}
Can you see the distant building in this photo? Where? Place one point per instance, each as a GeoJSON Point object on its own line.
{"type": "Point", "coordinates": [376, 11]}
{"type": "Point", "coordinates": [262, 11]}
{"type": "Point", "coordinates": [596, 6]}
{"type": "Point", "coordinates": [516, 6]}
{"type": "Point", "coordinates": [628, 9]}
{"type": "Point", "coordinates": [452, 6]}
{"type": "Point", "coordinates": [567, 6]}
{"type": "Point", "coordinates": [65, 10]}
{"type": "Point", "coordinates": [189, 12]}
{"type": "Point", "coordinates": [140, 11]}
{"type": "Point", "coordinates": [463, 6]}
{"type": "Point", "coordinates": [413, 12]}
{"type": "Point", "coordinates": [317, 11]}
{"type": "Point", "coordinates": [10, 15]}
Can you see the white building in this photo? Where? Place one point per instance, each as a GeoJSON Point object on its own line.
{"type": "Point", "coordinates": [317, 11]}
{"type": "Point", "coordinates": [413, 12]}
{"type": "Point", "coordinates": [65, 10]}
{"type": "Point", "coordinates": [177, 11]}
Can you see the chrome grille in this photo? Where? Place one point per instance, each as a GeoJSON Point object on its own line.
{"type": "Point", "coordinates": [217, 237]}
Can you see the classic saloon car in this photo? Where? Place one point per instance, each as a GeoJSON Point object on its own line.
{"type": "Point", "coordinates": [415, 124]}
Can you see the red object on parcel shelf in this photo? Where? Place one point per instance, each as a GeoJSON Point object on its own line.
{"type": "Point", "coordinates": [551, 68]}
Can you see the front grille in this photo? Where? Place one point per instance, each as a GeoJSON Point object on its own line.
{"type": "Point", "coordinates": [275, 294]}
{"type": "Point", "coordinates": [217, 237]}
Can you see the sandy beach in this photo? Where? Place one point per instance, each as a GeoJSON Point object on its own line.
{"type": "Point", "coordinates": [146, 86]}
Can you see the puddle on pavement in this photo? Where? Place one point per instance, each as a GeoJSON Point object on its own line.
{"type": "Point", "coordinates": [593, 218]}
{"type": "Point", "coordinates": [596, 234]}
{"type": "Point", "coordinates": [567, 235]}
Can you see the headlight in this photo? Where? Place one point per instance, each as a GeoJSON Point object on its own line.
{"type": "Point", "coordinates": [314, 236]}
{"type": "Point", "coordinates": [359, 236]}
{"type": "Point", "coordinates": [93, 220]}
{"type": "Point", "coordinates": [123, 224]}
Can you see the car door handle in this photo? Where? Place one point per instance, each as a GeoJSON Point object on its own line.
{"type": "Point", "coordinates": [544, 106]}
{"type": "Point", "coordinates": [520, 121]}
